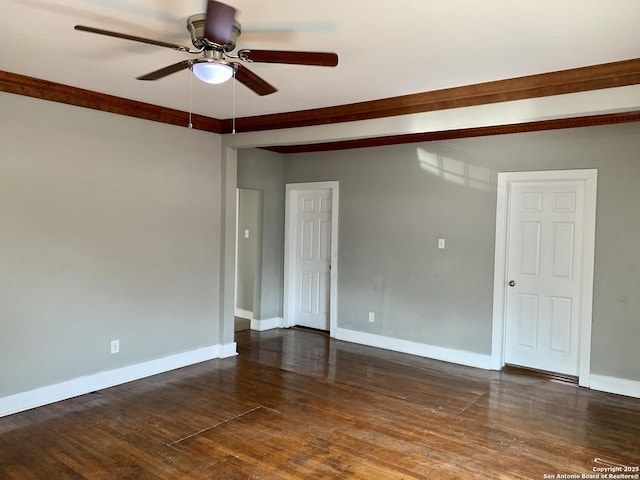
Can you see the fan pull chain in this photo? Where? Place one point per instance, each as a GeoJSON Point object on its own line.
{"type": "Point", "coordinates": [190, 98]}
{"type": "Point", "coordinates": [233, 127]}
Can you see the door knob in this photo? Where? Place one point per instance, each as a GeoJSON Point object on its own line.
{"type": "Point", "coordinates": [512, 283]}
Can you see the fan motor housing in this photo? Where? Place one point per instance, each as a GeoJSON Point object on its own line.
{"type": "Point", "coordinates": [196, 25]}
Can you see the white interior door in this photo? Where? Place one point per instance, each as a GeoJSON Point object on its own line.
{"type": "Point", "coordinates": [544, 274]}
{"type": "Point", "coordinates": [312, 258]}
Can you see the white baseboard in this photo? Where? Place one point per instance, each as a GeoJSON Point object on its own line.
{"type": "Point", "coordinates": [244, 313]}
{"type": "Point", "coordinates": [620, 386]}
{"type": "Point", "coordinates": [267, 324]}
{"type": "Point", "coordinates": [461, 357]}
{"type": "Point", "coordinates": [98, 381]}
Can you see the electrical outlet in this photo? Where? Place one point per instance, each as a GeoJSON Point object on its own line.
{"type": "Point", "coordinates": [372, 317]}
{"type": "Point", "coordinates": [115, 346]}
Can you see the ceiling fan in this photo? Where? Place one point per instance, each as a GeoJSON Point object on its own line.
{"type": "Point", "coordinates": [214, 35]}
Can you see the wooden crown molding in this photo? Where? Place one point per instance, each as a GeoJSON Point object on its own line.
{"type": "Point", "coordinates": [608, 75]}
{"type": "Point", "coordinates": [79, 97]}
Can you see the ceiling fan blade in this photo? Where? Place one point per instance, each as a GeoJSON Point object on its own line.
{"type": "Point", "coordinates": [219, 22]}
{"type": "Point", "coordinates": [321, 59]}
{"type": "Point", "coordinates": [180, 48]}
{"type": "Point", "coordinates": [163, 72]}
{"type": "Point", "coordinates": [253, 81]}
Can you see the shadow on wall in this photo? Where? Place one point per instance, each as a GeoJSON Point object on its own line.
{"type": "Point", "coordinates": [457, 171]}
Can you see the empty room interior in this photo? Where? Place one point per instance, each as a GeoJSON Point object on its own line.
{"type": "Point", "coordinates": [337, 240]}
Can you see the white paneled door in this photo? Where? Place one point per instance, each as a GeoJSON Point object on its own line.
{"type": "Point", "coordinates": [313, 258]}
{"type": "Point", "coordinates": [544, 262]}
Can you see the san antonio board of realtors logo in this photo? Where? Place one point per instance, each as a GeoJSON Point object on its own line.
{"type": "Point", "coordinates": [602, 470]}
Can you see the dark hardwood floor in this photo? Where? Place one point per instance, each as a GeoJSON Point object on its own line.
{"type": "Point", "coordinates": [296, 405]}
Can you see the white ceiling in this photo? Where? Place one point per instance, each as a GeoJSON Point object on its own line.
{"type": "Point", "coordinates": [386, 48]}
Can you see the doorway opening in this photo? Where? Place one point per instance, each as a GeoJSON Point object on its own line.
{"type": "Point", "coordinates": [248, 257]}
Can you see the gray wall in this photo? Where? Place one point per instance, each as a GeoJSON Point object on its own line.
{"type": "Point", "coordinates": [263, 170]}
{"type": "Point", "coordinates": [396, 201]}
{"type": "Point", "coordinates": [111, 228]}
{"type": "Point", "coordinates": [249, 249]}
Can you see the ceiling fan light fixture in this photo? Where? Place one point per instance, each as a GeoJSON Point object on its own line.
{"type": "Point", "coordinates": [212, 72]}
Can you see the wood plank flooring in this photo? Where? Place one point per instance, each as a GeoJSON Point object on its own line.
{"type": "Point", "coordinates": [297, 405]}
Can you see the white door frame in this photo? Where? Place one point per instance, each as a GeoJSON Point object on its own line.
{"type": "Point", "coordinates": [505, 179]}
{"type": "Point", "coordinates": [292, 190]}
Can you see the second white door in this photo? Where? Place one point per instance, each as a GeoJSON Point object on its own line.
{"type": "Point", "coordinates": [313, 258]}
